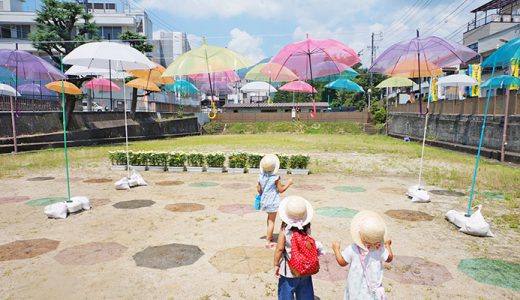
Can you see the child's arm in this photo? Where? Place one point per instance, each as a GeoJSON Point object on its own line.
{"type": "Point", "coordinates": [259, 188]}
{"type": "Point", "coordinates": [339, 258]}
{"type": "Point", "coordinates": [282, 188]}
{"type": "Point", "coordinates": [278, 252]}
{"type": "Point", "coordinates": [388, 244]}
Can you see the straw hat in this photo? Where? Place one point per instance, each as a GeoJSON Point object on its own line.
{"type": "Point", "coordinates": [368, 226]}
{"type": "Point", "coordinates": [269, 164]}
{"type": "Point", "coordinates": [296, 211]}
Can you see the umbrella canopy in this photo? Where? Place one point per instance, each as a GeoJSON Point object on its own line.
{"type": "Point", "coordinates": [108, 55]}
{"type": "Point", "coordinates": [421, 57]}
{"type": "Point", "coordinates": [68, 88]}
{"type": "Point", "coordinates": [395, 82]}
{"type": "Point", "coordinates": [457, 80]}
{"type": "Point", "coordinates": [500, 82]}
{"type": "Point", "coordinates": [154, 75]}
{"type": "Point", "coordinates": [27, 66]}
{"type": "Point", "coordinates": [504, 55]}
{"type": "Point", "coordinates": [224, 77]}
{"type": "Point", "coordinates": [85, 71]}
{"type": "Point", "coordinates": [306, 58]}
{"type": "Point", "coordinates": [141, 83]}
{"type": "Point", "coordinates": [220, 88]}
{"type": "Point", "coordinates": [182, 86]}
{"type": "Point", "coordinates": [298, 86]}
{"type": "Point", "coordinates": [346, 85]}
{"type": "Point", "coordinates": [33, 89]}
{"type": "Point", "coordinates": [206, 59]}
{"type": "Point", "coordinates": [349, 73]}
{"type": "Point", "coordinates": [7, 90]}
{"type": "Point", "coordinates": [101, 84]}
{"type": "Point", "coordinates": [258, 86]}
{"type": "Point", "coordinates": [257, 73]}
{"type": "Point", "coordinates": [6, 75]}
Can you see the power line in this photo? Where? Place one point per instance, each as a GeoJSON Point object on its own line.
{"type": "Point", "coordinates": [437, 26]}
{"type": "Point", "coordinates": [411, 16]}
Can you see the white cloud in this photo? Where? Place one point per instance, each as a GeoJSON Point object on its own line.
{"type": "Point", "coordinates": [247, 45]}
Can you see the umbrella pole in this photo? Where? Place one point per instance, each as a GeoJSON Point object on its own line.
{"type": "Point", "coordinates": [504, 131]}
{"type": "Point", "coordinates": [423, 143]}
{"type": "Point", "coordinates": [472, 191]}
{"type": "Point", "coordinates": [64, 130]}
{"type": "Point", "coordinates": [13, 124]}
{"type": "Point", "coordinates": [110, 78]}
{"type": "Point", "coordinates": [126, 125]}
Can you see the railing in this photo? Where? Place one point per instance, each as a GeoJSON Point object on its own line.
{"type": "Point", "coordinates": [360, 117]}
{"type": "Point", "coordinates": [24, 104]}
{"type": "Point", "coordinates": [496, 18]}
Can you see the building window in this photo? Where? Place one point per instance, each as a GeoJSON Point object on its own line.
{"type": "Point", "coordinates": [98, 5]}
{"type": "Point", "coordinates": [109, 32]}
{"type": "Point", "coordinates": [110, 6]}
{"type": "Point", "coordinates": [474, 47]}
{"type": "Point", "coordinates": [14, 31]}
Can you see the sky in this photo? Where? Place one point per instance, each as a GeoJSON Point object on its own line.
{"type": "Point", "coordinates": [260, 28]}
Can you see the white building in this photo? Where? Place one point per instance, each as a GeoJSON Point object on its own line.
{"type": "Point", "coordinates": [168, 46]}
{"type": "Point", "coordinates": [17, 20]}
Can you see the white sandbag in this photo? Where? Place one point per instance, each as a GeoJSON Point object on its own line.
{"type": "Point", "coordinates": [122, 184]}
{"type": "Point", "coordinates": [132, 182]}
{"type": "Point", "coordinates": [56, 210]}
{"type": "Point", "coordinates": [137, 177]}
{"type": "Point", "coordinates": [476, 225]}
{"type": "Point", "coordinates": [85, 202]}
{"type": "Point", "coordinates": [73, 205]}
{"type": "Point", "coordinates": [418, 194]}
{"type": "Point", "coordinates": [456, 217]}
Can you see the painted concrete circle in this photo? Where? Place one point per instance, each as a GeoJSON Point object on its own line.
{"type": "Point", "coordinates": [24, 249]}
{"type": "Point", "coordinates": [337, 212]}
{"type": "Point", "coordinates": [237, 209]}
{"type": "Point", "coordinates": [40, 178]}
{"type": "Point", "coordinates": [90, 253]}
{"type": "Point", "coordinates": [448, 193]}
{"type": "Point", "coordinates": [415, 270]}
{"type": "Point", "coordinates": [45, 201]}
{"type": "Point", "coordinates": [243, 260]}
{"type": "Point", "coordinates": [492, 271]}
{"type": "Point", "coordinates": [236, 186]}
{"type": "Point", "coordinates": [309, 187]}
{"type": "Point", "coordinates": [13, 199]}
{"type": "Point", "coordinates": [169, 182]}
{"type": "Point", "coordinates": [133, 204]}
{"type": "Point", "coordinates": [408, 215]}
{"type": "Point", "coordinates": [184, 207]}
{"type": "Point", "coordinates": [98, 180]}
{"type": "Point", "coordinates": [349, 189]}
{"type": "Point", "coordinates": [168, 256]}
{"type": "Point", "coordinates": [203, 184]}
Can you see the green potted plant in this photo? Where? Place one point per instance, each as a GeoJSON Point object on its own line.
{"type": "Point", "coordinates": [118, 160]}
{"type": "Point", "coordinates": [237, 162]}
{"type": "Point", "coordinates": [157, 161]}
{"type": "Point", "coordinates": [284, 163]}
{"type": "Point", "coordinates": [215, 162]}
{"type": "Point", "coordinates": [176, 161]}
{"type": "Point", "coordinates": [139, 160]}
{"type": "Point", "coordinates": [253, 161]}
{"type": "Point", "coordinates": [195, 162]}
{"type": "Point", "coordinates": [299, 164]}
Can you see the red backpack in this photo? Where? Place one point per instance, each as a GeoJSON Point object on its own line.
{"type": "Point", "coordinates": [304, 255]}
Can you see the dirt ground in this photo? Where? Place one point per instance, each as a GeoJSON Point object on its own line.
{"type": "Point", "coordinates": [119, 235]}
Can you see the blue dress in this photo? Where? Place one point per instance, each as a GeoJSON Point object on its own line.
{"type": "Point", "coordinates": [270, 196]}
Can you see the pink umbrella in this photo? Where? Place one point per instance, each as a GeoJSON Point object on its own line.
{"type": "Point", "coordinates": [298, 86]}
{"type": "Point", "coordinates": [310, 57]}
{"type": "Point", "coordinates": [223, 77]}
{"type": "Point", "coordinates": [101, 84]}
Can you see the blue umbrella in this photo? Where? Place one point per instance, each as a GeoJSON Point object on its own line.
{"type": "Point", "coordinates": [346, 85]}
{"type": "Point", "coordinates": [501, 82]}
{"type": "Point", "coordinates": [182, 86]}
{"type": "Point", "coordinates": [6, 75]}
{"type": "Point", "coordinates": [504, 56]}
{"type": "Point", "coordinates": [347, 74]}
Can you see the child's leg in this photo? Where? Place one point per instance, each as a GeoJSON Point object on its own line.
{"type": "Point", "coordinates": [305, 289]}
{"type": "Point", "coordinates": [271, 218]}
{"type": "Point", "coordinates": [286, 288]}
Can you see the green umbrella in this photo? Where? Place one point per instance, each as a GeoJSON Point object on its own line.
{"type": "Point", "coordinates": [395, 82]}
{"type": "Point", "coordinates": [260, 71]}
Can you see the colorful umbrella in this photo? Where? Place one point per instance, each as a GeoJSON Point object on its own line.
{"type": "Point", "coordinates": [349, 73]}
{"type": "Point", "coordinates": [223, 77]}
{"type": "Point", "coordinates": [85, 71]}
{"type": "Point", "coordinates": [207, 60]}
{"type": "Point", "coordinates": [154, 75]}
{"type": "Point", "coordinates": [33, 89]}
{"type": "Point", "coordinates": [257, 86]}
{"type": "Point", "coordinates": [219, 88]}
{"type": "Point", "coordinates": [142, 83]}
{"type": "Point", "coordinates": [63, 86]}
{"type": "Point", "coordinates": [257, 73]}
{"type": "Point", "coordinates": [101, 84]}
{"type": "Point", "coordinates": [181, 86]}
{"type": "Point", "coordinates": [457, 80]}
{"type": "Point", "coordinates": [504, 55]}
{"type": "Point", "coordinates": [395, 82]}
{"type": "Point", "coordinates": [345, 84]}
{"type": "Point", "coordinates": [7, 90]}
{"type": "Point", "coordinates": [500, 82]}
{"type": "Point", "coordinates": [298, 86]}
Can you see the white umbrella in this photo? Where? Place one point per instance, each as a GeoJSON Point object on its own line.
{"type": "Point", "coordinates": [110, 55]}
{"type": "Point", "coordinates": [85, 71]}
{"type": "Point", "coordinates": [258, 86]}
{"type": "Point", "coordinates": [8, 90]}
{"type": "Point", "coordinates": [457, 80]}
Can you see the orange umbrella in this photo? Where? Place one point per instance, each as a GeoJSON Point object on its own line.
{"type": "Point", "coordinates": [144, 84]}
{"type": "Point", "coordinates": [68, 88]}
{"type": "Point", "coordinates": [154, 75]}
{"type": "Point", "coordinates": [410, 69]}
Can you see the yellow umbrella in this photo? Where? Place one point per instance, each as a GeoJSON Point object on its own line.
{"type": "Point", "coordinates": [154, 75]}
{"type": "Point", "coordinates": [142, 83]}
{"type": "Point", "coordinates": [68, 88]}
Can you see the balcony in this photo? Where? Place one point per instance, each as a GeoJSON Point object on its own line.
{"type": "Point", "coordinates": [494, 18]}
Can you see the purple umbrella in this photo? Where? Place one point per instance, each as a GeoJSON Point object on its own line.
{"type": "Point", "coordinates": [34, 89]}
{"type": "Point", "coordinates": [29, 67]}
{"type": "Point", "coordinates": [220, 88]}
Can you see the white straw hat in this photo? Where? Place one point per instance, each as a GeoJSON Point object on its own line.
{"type": "Point", "coordinates": [270, 164]}
{"type": "Point", "coordinates": [296, 211]}
{"type": "Point", "coordinates": [368, 226]}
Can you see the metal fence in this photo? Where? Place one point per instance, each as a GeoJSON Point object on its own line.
{"type": "Point", "coordinates": [361, 117]}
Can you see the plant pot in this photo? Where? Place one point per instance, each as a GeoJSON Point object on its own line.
{"type": "Point", "coordinates": [118, 167]}
{"type": "Point", "coordinates": [236, 170]}
{"type": "Point", "coordinates": [175, 169]}
{"type": "Point", "coordinates": [215, 169]}
{"type": "Point", "coordinates": [195, 169]}
{"type": "Point", "coordinates": [138, 168]}
{"type": "Point", "coordinates": [282, 171]}
{"type": "Point", "coordinates": [156, 168]}
{"type": "Point", "coordinates": [300, 171]}
{"type": "Point", "coordinates": [254, 170]}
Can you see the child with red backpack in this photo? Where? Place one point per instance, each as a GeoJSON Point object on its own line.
{"type": "Point", "coordinates": [296, 253]}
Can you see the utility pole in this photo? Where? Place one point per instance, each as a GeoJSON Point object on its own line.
{"type": "Point", "coordinates": [376, 37]}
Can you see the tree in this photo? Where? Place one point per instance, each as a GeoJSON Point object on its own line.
{"type": "Point", "coordinates": [139, 42]}
{"type": "Point", "coordinates": [61, 27]}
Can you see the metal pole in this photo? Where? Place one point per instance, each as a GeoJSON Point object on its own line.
{"type": "Point", "coordinates": [110, 78]}
{"type": "Point", "coordinates": [13, 125]}
{"type": "Point", "coordinates": [504, 133]}
{"type": "Point", "coordinates": [372, 61]}
{"type": "Point", "coordinates": [65, 131]}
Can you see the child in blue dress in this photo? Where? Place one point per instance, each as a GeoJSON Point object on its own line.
{"type": "Point", "coordinates": [270, 187]}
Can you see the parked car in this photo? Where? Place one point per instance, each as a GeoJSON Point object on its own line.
{"type": "Point", "coordinates": [94, 107]}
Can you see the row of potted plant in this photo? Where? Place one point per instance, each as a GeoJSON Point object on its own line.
{"type": "Point", "coordinates": [237, 162]}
